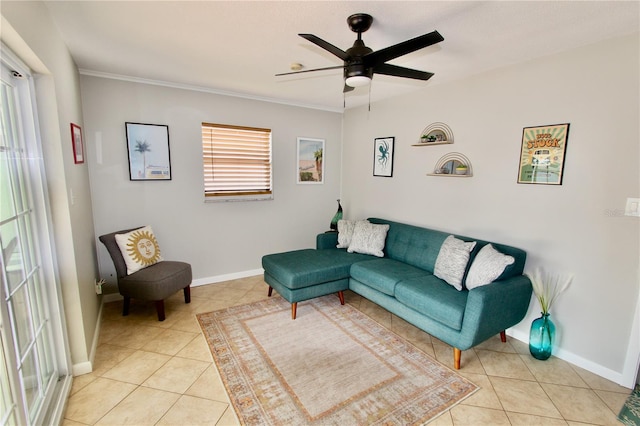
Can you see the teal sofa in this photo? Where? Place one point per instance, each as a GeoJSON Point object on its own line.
{"type": "Point", "coordinates": [403, 282]}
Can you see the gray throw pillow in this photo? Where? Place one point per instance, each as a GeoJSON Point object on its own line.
{"type": "Point", "coordinates": [345, 232]}
{"type": "Point", "coordinates": [487, 266]}
{"type": "Point", "coordinates": [368, 238]}
{"type": "Point", "coordinates": [452, 261]}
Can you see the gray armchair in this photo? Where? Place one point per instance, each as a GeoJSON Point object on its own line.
{"type": "Point", "coordinates": [155, 282]}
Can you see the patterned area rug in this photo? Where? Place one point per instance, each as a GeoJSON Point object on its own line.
{"type": "Point", "coordinates": [630, 413]}
{"type": "Point", "coordinates": [332, 365]}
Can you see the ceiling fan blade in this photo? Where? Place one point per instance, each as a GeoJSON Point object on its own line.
{"type": "Point", "coordinates": [347, 88]}
{"type": "Point", "coordinates": [315, 69]}
{"type": "Point", "coordinates": [400, 49]}
{"type": "Point", "coordinates": [326, 46]}
{"type": "Point", "coordinates": [396, 71]}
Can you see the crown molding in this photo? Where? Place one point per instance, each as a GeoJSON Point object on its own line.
{"type": "Point", "coordinates": [202, 89]}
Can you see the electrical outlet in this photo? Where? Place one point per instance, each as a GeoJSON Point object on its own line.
{"type": "Point", "coordinates": [633, 207]}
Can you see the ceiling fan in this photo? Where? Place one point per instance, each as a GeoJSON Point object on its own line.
{"type": "Point", "coordinates": [361, 62]}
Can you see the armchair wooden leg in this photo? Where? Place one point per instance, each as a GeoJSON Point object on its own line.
{"type": "Point", "coordinates": [160, 309]}
{"type": "Point", "coordinates": [457, 353]}
{"type": "Point", "coordinates": [187, 294]}
{"type": "Point", "coordinates": [270, 291]}
{"type": "Point", "coordinates": [341, 296]}
{"type": "Point", "coordinates": [125, 306]}
{"type": "Point", "coordinates": [503, 336]}
{"type": "Point", "coordinates": [294, 308]}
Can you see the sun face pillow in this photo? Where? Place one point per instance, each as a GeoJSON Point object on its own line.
{"type": "Point", "coordinates": [139, 249]}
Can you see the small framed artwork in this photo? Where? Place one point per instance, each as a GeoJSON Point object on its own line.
{"type": "Point", "coordinates": [383, 156]}
{"type": "Point", "coordinates": [542, 154]}
{"type": "Point", "coordinates": [76, 141]}
{"type": "Point", "coordinates": [310, 161]}
{"type": "Point", "coordinates": [148, 148]}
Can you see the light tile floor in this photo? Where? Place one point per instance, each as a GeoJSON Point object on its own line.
{"type": "Point", "coordinates": [161, 373]}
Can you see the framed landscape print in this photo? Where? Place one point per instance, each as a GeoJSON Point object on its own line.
{"type": "Point", "coordinates": [148, 148]}
{"type": "Point", "coordinates": [542, 154]}
{"type": "Point", "coordinates": [310, 161]}
{"type": "Point", "coordinates": [383, 156]}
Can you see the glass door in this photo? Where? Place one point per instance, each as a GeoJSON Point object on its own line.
{"type": "Point", "coordinates": [33, 356]}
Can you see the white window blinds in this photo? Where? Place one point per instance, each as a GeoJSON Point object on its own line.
{"type": "Point", "coordinates": [237, 161]}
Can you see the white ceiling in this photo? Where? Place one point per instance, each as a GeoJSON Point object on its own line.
{"type": "Point", "coordinates": [237, 47]}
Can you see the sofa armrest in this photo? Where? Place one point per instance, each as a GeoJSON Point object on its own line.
{"type": "Point", "coordinates": [494, 308]}
{"type": "Point", "coordinates": [326, 240]}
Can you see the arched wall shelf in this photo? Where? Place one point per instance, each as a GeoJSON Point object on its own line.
{"type": "Point", "coordinates": [435, 134]}
{"type": "Point", "coordinates": [449, 166]}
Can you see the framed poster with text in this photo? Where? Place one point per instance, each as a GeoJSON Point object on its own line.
{"type": "Point", "coordinates": [542, 154]}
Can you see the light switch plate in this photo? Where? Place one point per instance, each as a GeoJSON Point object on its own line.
{"type": "Point", "coordinates": [633, 207]}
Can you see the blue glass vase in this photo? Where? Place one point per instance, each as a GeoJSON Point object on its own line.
{"type": "Point", "coordinates": [541, 337]}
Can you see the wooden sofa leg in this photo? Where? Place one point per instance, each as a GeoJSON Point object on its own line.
{"type": "Point", "coordinates": [160, 309]}
{"type": "Point", "coordinates": [125, 306]}
{"type": "Point", "coordinates": [457, 353]}
{"type": "Point", "coordinates": [270, 291]}
{"type": "Point", "coordinates": [341, 296]}
{"type": "Point", "coordinates": [294, 308]}
{"type": "Point", "coordinates": [187, 294]}
{"type": "Point", "coordinates": [503, 336]}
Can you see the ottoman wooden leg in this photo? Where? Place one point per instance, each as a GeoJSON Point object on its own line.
{"type": "Point", "coordinates": [456, 358]}
{"type": "Point", "coordinates": [270, 291]}
{"type": "Point", "coordinates": [503, 336]}
{"type": "Point", "coordinates": [341, 296]}
{"type": "Point", "coordinates": [294, 307]}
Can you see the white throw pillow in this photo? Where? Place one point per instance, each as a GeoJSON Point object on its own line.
{"type": "Point", "coordinates": [139, 249]}
{"type": "Point", "coordinates": [345, 232]}
{"type": "Point", "coordinates": [452, 260]}
{"type": "Point", "coordinates": [368, 238]}
{"type": "Point", "coordinates": [487, 266]}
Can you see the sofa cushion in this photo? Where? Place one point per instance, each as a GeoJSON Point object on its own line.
{"type": "Point", "coordinates": [488, 265]}
{"type": "Point", "coordinates": [368, 238]}
{"type": "Point", "coordinates": [303, 268]}
{"type": "Point", "coordinates": [412, 244]}
{"type": "Point", "coordinates": [434, 298]}
{"type": "Point", "coordinates": [452, 260]}
{"type": "Point", "coordinates": [384, 274]}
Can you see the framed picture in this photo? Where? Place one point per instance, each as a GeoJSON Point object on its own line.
{"type": "Point", "coordinates": [148, 148]}
{"type": "Point", "coordinates": [310, 161]}
{"type": "Point", "coordinates": [542, 154]}
{"type": "Point", "coordinates": [383, 156]}
{"type": "Point", "coordinates": [76, 141]}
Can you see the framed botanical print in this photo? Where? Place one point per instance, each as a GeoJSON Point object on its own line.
{"type": "Point", "coordinates": [76, 142]}
{"type": "Point", "coordinates": [383, 156]}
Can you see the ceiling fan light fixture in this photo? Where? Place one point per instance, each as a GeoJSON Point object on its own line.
{"type": "Point", "coordinates": [358, 80]}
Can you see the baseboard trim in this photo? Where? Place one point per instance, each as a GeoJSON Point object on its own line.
{"type": "Point", "coordinates": [81, 368]}
{"type": "Point", "coordinates": [578, 361]}
{"type": "Point", "coordinates": [226, 277]}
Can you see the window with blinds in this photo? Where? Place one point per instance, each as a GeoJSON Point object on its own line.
{"type": "Point", "coordinates": [237, 162]}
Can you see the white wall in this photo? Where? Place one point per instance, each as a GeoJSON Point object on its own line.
{"type": "Point", "coordinates": [218, 239]}
{"type": "Point", "coordinates": [35, 39]}
{"type": "Point", "coordinates": [576, 228]}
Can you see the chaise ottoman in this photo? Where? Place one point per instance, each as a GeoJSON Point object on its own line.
{"type": "Point", "coordinates": [305, 274]}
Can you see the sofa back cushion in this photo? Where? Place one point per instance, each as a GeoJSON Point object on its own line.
{"type": "Point", "coordinates": [412, 244]}
{"type": "Point", "coordinates": [419, 247]}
